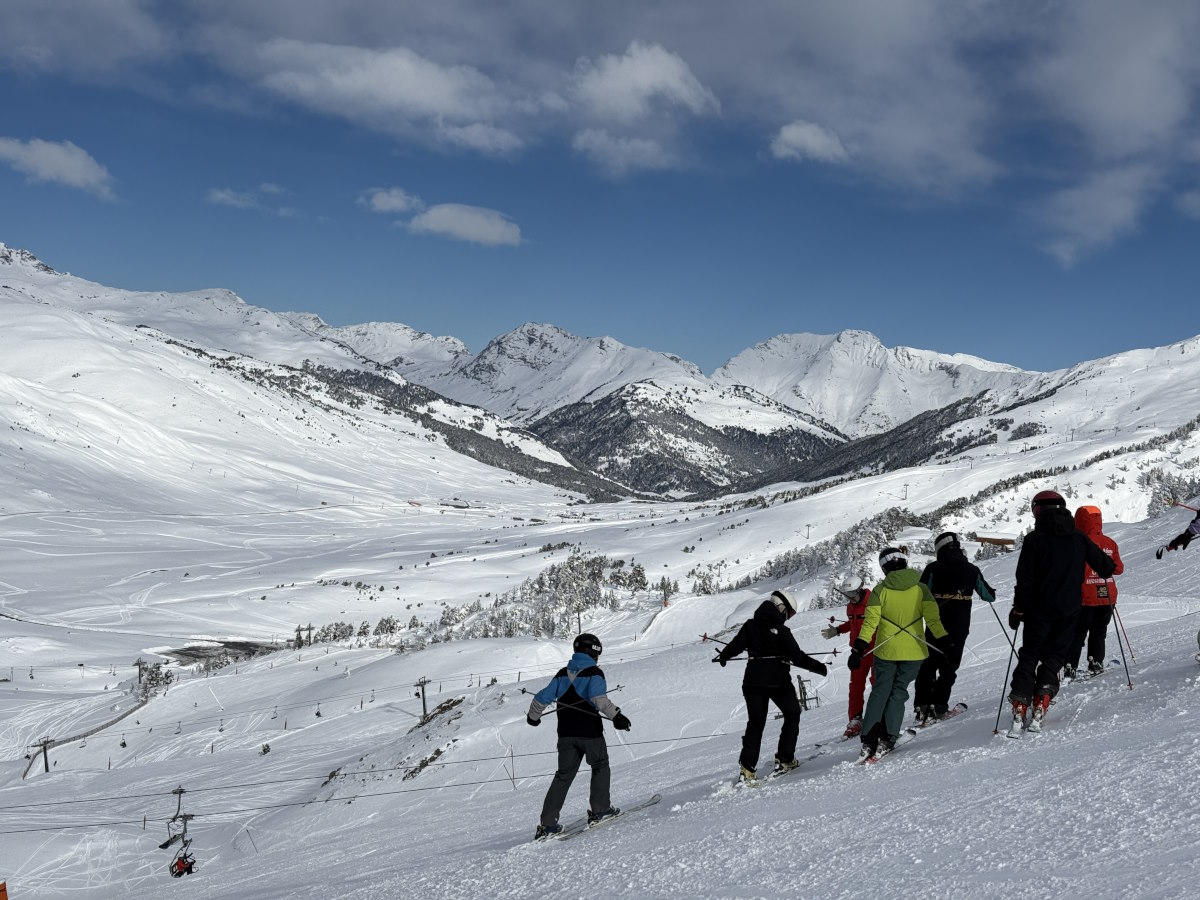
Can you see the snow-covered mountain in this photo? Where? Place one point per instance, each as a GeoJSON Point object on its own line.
{"type": "Point", "coordinates": [168, 496]}
{"type": "Point", "coordinates": [851, 380]}
{"type": "Point", "coordinates": [116, 385]}
{"type": "Point", "coordinates": [414, 354]}
{"type": "Point", "coordinates": [535, 369]}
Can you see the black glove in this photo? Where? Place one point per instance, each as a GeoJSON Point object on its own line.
{"type": "Point", "coordinates": [819, 668]}
{"type": "Point", "coordinates": [718, 659]}
{"type": "Point", "coordinates": [856, 654]}
{"type": "Point", "coordinates": [621, 721]}
{"type": "Point", "coordinates": [1015, 618]}
{"type": "Point", "coordinates": [947, 645]}
{"type": "Point", "coordinates": [532, 721]}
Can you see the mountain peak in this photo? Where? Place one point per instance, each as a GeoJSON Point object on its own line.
{"type": "Point", "coordinates": [14, 256]}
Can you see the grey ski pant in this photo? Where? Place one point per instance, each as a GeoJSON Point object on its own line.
{"type": "Point", "coordinates": [571, 752]}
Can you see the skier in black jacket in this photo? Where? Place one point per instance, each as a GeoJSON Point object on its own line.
{"type": "Point", "coordinates": [1047, 599]}
{"type": "Point", "coordinates": [952, 580]}
{"type": "Point", "coordinates": [772, 649]}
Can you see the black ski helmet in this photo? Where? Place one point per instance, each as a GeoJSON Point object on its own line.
{"type": "Point", "coordinates": [589, 644]}
{"type": "Point", "coordinates": [892, 558]}
{"type": "Point", "coordinates": [945, 539]}
{"type": "Point", "coordinates": [1046, 500]}
{"type": "Point", "coordinates": [784, 603]}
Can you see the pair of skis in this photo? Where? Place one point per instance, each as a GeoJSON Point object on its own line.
{"type": "Point", "coordinates": [580, 825]}
{"type": "Point", "coordinates": [908, 734]}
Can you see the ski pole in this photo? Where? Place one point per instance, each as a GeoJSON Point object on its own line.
{"type": "Point", "coordinates": [1128, 677]}
{"type": "Point", "coordinates": [1007, 668]}
{"type": "Point", "coordinates": [551, 712]}
{"type": "Point", "coordinates": [1117, 616]}
{"type": "Point", "coordinates": [1184, 505]}
{"type": "Point", "coordinates": [1003, 630]}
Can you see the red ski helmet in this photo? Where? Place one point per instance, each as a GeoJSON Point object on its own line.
{"type": "Point", "coordinates": [1046, 500]}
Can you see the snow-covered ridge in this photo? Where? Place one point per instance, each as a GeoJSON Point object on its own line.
{"type": "Point", "coordinates": [852, 381]}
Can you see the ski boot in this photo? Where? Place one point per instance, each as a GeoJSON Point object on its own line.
{"type": "Point", "coordinates": [1041, 703]}
{"type": "Point", "coordinates": [1095, 666]}
{"type": "Point", "coordinates": [886, 745]}
{"type": "Point", "coordinates": [748, 777]}
{"type": "Point", "coordinates": [923, 715]}
{"type": "Point", "coordinates": [853, 728]}
{"type": "Point", "coordinates": [1019, 707]}
{"type": "Point", "coordinates": [870, 748]}
{"type": "Point", "coordinates": [545, 831]}
{"type": "Point", "coordinates": [939, 711]}
{"type": "Point", "coordinates": [782, 767]}
{"type": "Point", "coordinates": [594, 817]}
{"type": "Point", "coordinates": [1068, 672]}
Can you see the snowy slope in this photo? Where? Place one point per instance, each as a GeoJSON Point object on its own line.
{"type": "Point", "coordinates": [329, 809]}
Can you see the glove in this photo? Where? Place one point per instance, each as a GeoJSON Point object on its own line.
{"type": "Point", "coordinates": [819, 668]}
{"type": "Point", "coordinates": [947, 645]}
{"type": "Point", "coordinates": [829, 632]}
{"type": "Point", "coordinates": [621, 721]}
{"type": "Point", "coordinates": [1014, 619]}
{"type": "Point", "coordinates": [856, 654]}
{"type": "Point", "coordinates": [532, 721]}
{"type": "Point", "coordinates": [718, 659]}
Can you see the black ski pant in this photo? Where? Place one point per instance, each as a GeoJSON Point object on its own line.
{"type": "Point", "coordinates": [757, 698]}
{"type": "Point", "coordinates": [1090, 629]}
{"type": "Point", "coordinates": [939, 671]}
{"type": "Point", "coordinates": [571, 752]}
{"type": "Point", "coordinates": [1044, 648]}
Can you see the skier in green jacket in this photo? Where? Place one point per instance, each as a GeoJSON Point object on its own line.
{"type": "Point", "coordinates": [898, 612]}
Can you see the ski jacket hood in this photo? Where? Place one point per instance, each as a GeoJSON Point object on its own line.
{"type": "Point", "coordinates": [898, 612]}
{"type": "Point", "coordinates": [1055, 520]}
{"type": "Point", "coordinates": [1089, 521]}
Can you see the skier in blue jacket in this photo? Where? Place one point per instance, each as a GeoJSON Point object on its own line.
{"type": "Point", "coordinates": [581, 693]}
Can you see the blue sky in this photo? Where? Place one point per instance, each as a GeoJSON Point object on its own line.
{"type": "Point", "coordinates": [1019, 181]}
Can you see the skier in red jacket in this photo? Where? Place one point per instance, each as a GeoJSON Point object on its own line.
{"type": "Point", "coordinates": [1099, 596]}
{"type": "Point", "coordinates": [855, 609]}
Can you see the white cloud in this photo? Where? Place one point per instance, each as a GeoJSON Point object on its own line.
{"type": "Point", "coordinates": [87, 38]}
{"type": "Point", "coordinates": [1122, 75]}
{"type": "Point", "coordinates": [473, 224]}
{"type": "Point", "coordinates": [236, 199]}
{"type": "Point", "coordinates": [57, 162]}
{"type": "Point", "coordinates": [487, 139]}
{"type": "Point", "coordinates": [389, 200]}
{"type": "Point", "coordinates": [1189, 204]}
{"type": "Point", "coordinates": [1094, 214]}
{"type": "Point", "coordinates": [627, 88]}
{"type": "Point", "coordinates": [619, 156]}
{"type": "Point", "coordinates": [391, 89]}
{"type": "Point", "coordinates": [265, 197]}
{"type": "Point", "coordinates": [807, 140]}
